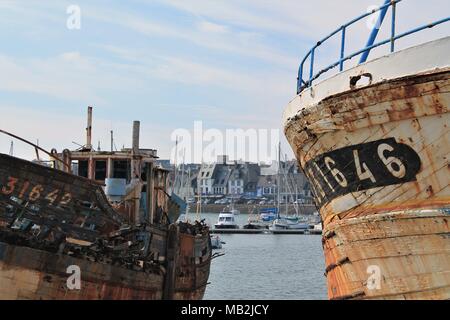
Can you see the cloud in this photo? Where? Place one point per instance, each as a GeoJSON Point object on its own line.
{"type": "Point", "coordinates": [207, 26]}
{"type": "Point", "coordinates": [58, 130]}
{"type": "Point", "coordinates": [188, 71]}
{"type": "Point", "coordinates": [233, 62]}
{"type": "Point", "coordinates": [203, 33]}
{"type": "Point", "coordinates": [69, 76]}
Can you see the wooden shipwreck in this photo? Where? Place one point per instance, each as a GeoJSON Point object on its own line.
{"type": "Point", "coordinates": [63, 237]}
{"type": "Point", "coordinates": [373, 141]}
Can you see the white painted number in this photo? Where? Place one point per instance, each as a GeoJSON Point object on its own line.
{"type": "Point", "coordinates": [318, 187]}
{"type": "Point", "coordinates": [338, 176]}
{"type": "Point", "coordinates": [367, 174]}
{"type": "Point", "coordinates": [393, 164]}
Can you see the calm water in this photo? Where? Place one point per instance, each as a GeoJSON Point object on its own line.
{"type": "Point", "coordinates": [266, 266]}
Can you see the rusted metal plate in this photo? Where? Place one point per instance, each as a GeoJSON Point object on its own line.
{"type": "Point", "coordinates": [377, 158]}
{"type": "Point", "coordinates": [50, 220]}
{"type": "Point", "coordinates": [48, 196]}
{"type": "Point", "coordinates": [27, 273]}
{"type": "Point", "coordinates": [194, 265]}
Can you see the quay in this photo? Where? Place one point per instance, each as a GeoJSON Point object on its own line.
{"type": "Point", "coordinates": [265, 231]}
{"type": "Point", "coordinates": [239, 231]}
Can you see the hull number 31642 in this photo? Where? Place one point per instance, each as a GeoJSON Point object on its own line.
{"type": "Point", "coordinates": [361, 167]}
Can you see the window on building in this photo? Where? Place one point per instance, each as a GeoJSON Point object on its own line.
{"type": "Point", "coordinates": [83, 168]}
{"type": "Point", "coordinates": [121, 169]}
{"type": "Point", "coordinates": [100, 169]}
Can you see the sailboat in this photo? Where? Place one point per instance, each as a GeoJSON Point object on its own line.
{"type": "Point", "coordinates": [256, 221]}
{"type": "Point", "coordinates": [231, 209]}
{"type": "Point", "coordinates": [286, 222]}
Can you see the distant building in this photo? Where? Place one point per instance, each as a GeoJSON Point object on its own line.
{"type": "Point", "coordinates": [205, 178]}
{"type": "Point", "coordinates": [293, 183]}
{"type": "Point", "coordinates": [165, 164]}
{"type": "Point", "coordinates": [239, 179]}
{"type": "Point", "coordinates": [267, 186]}
{"type": "Point", "coordinates": [228, 178]}
{"type": "Point", "coordinates": [244, 179]}
{"type": "Point", "coordinates": [269, 170]}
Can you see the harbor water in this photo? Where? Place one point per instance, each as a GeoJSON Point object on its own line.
{"type": "Point", "coordinates": [266, 266]}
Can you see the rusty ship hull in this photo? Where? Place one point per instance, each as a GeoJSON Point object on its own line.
{"type": "Point", "coordinates": [32, 274]}
{"type": "Point", "coordinates": [377, 157]}
{"type": "Point", "coordinates": [51, 220]}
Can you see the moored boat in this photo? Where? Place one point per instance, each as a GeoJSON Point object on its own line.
{"type": "Point", "coordinates": [268, 214]}
{"type": "Point", "coordinates": [284, 223]}
{"type": "Point", "coordinates": [373, 141]}
{"type": "Point", "coordinates": [216, 242]}
{"type": "Point", "coordinates": [63, 237]}
{"type": "Point", "coordinates": [226, 220]}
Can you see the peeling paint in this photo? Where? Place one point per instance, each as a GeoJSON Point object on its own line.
{"type": "Point", "coordinates": [400, 227]}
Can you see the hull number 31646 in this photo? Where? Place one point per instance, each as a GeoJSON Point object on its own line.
{"type": "Point", "coordinates": [361, 167]}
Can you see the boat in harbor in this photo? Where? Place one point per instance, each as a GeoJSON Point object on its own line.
{"type": "Point", "coordinates": [373, 141]}
{"type": "Point", "coordinates": [216, 242]}
{"type": "Point", "coordinates": [285, 223]}
{"type": "Point", "coordinates": [256, 221]}
{"type": "Point", "coordinates": [102, 217]}
{"type": "Point", "coordinates": [316, 229]}
{"type": "Point", "coordinates": [226, 220]}
{"type": "Point", "coordinates": [268, 214]}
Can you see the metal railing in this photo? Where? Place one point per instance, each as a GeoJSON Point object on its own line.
{"type": "Point", "coordinates": [305, 83]}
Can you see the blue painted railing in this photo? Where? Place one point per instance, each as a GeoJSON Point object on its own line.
{"type": "Point", "coordinates": [305, 83]}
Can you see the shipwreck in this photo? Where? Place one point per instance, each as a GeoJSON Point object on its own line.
{"type": "Point", "coordinates": [97, 225]}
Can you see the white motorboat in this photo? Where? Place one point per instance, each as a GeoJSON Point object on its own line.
{"type": "Point", "coordinates": [226, 220]}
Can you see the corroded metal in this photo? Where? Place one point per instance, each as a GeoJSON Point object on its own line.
{"type": "Point", "coordinates": [50, 220]}
{"type": "Point", "coordinates": [377, 157]}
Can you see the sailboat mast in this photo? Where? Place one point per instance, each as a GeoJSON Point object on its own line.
{"type": "Point", "coordinates": [181, 190]}
{"type": "Point", "coordinates": [175, 165]}
{"type": "Point", "coordinates": [189, 182]}
{"type": "Point", "coordinates": [278, 180]}
{"type": "Point", "coordinates": [286, 182]}
{"type": "Point", "coordinates": [199, 197]}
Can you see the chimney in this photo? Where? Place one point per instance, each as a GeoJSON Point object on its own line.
{"type": "Point", "coordinates": [222, 159]}
{"type": "Point", "coordinates": [89, 129]}
{"type": "Point", "coordinates": [135, 142]}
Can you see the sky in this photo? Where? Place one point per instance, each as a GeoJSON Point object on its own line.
{"type": "Point", "coordinates": [231, 64]}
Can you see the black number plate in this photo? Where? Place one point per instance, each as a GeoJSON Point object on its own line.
{"type": "Point", "coordinates": [361, 167]}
